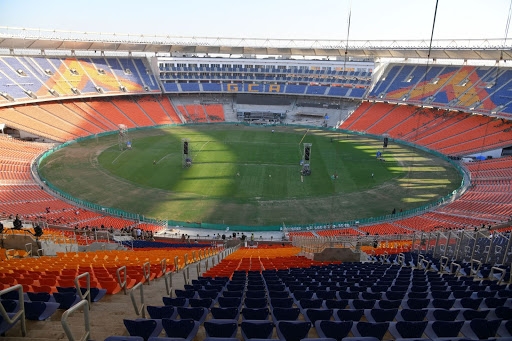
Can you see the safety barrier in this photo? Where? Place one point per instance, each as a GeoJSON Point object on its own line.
{"type": "Point", "coordinates": [139, 310]}
{"type": "Point", "coordinates": [87, 294]}
{"type": "Point", "coordinates": [122, 283]}
{"type": "Point", "coordinates": [20, 314]}
{"type": "Point", "coordinates": [65, 325]}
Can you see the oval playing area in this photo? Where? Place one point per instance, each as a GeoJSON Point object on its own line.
{"type": "Point", "coordinates": [244, 175]}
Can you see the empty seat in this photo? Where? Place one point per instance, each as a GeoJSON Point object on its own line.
{"type": "Point", "coordinates": [225, 313]}
{"type": "Point", "coordinates": [348, 314]}
{"type": "Point", "coordinates": [369, 329]}
{"type": "Point", "coordinates": [257, 329]}
{"type": "Point", "coordinates": [166, 311]}
{"type": "Point", "coordinates": [437, 329]}
{"type": "Point", "coordinates": [480, 329]}
{"type": "Point", "coordinates": [40, 311]}
{"type": "Point", "coordinates": [313, 315]}
{"type": "Point", "coordinates": [255, 314]}
{"type": "Point", "coordinates": [407, 329]}
{"type": "Point", "coordinates": [287, 314]}
{"type": "Point", "coordinates": [292, 330]}
{"type": "Point", "coordinates": [281, 302]}
{"type": "Point", "coordinates": [175, 302]}
{"type": "Point", "coordinates": [144, 328]}
{"type": "Point", "coordinates": [221, 328]}
{"type": "Point", "coordinates": [184, 328]}
{"type": "Point", "coordinates": [380, 315]}
{"type": "Point", "coordinates": [197, 314]}
{"type": "Point", "coordinates": [337, 330]}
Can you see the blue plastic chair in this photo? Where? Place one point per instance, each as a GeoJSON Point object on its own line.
{"type": "Point", "coordinates": [442, 315]}
{"type": "Point", "coordinates": [162, 312]}
{"type": "Point", "coordinates": [201, 302]}
{"type": "Point", "coordinates": [313, 315]}
{"type": "Point", "coordinates": [185, 328]}
{"type": "Point", "coordinates": [221, 328]}
{"type": "Point", "coordinates": [255, 303]}
{"type": "Point", "coordinates": [39, 311]}
{"type": "Point", "coordinates": [480, 329]}
{"type": "Point", "coordinates": [380, 315]}
{"type": "Point", "coordinates": [292, 330]}
{"type": "Point", "coordinates": [256, 294]}
{"type": "Point", "coordinates": [175, 302]}
{"type": "Point", "coordinates": [337, 330]}
{"type": "Point", "coordinates": [125, 338]}
{"type": "Point", "coordinates": [41, 297]}
{"type": "Point", "coordinates": [257, 329]}
{"type": "Point", "coordinates": [407, 329]}
{"type": "Point", "coordinates": [438, 329]}
{"type": "Point", "coordinates": [255, 314]}
{"type": "Point", "coordinates": [348, 314]}
{"type": "Point", "coordinates": [225, 313]}
{"type": "Point", "coordinates": [185, 293]}
{"type": "Point", "coordinates": [66, 299]}
{"type": "Point", "coordinates": [286, 314]}
{"type": "Point", "coordinates": [281, 302]}
{"type": "Point", "coordinates": [197, 314]}
{"type": "Point", "coordinates": [335, 304]}
{"type": "Point", "coordinates": [369, 329]}
{"type": "Point", "coordinates": [230, 302]}
{"type": "Point", "coordinates": [144, 328]}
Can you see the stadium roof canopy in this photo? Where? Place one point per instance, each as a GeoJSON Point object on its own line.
{"type": "Point", "coordinates": [40, 39]}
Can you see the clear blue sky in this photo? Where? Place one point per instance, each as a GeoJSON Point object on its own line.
{"type": "Point", "coordinates": [327, 19]}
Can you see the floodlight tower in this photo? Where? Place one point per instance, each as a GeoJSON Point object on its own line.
{"type": "Point", "coordinates": [306, 158]}
{"type": "Point", "coordinates": [123, 137]}
{"type": "Point", "coordinates": [186, 160]}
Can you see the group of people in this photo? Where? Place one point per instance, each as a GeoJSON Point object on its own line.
{"type": "Point", "coordinates": [136, 232]}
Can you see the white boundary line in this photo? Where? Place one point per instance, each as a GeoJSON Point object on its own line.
{"type": "Point", "coordinates": [113, 161]}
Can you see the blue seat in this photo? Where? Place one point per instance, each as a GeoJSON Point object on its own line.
{"type": "Point", "coordinates": [255, 314]}
{"type": "Point", "coordinates": [41, 296]}
{"type": "Point", "coordinates": [325, 295]}
{"type": "Point", "coordinates": [335, 304]}
{"type": "Point", "coordinates": [441, 303]}
{"type": "Point", "coordinates": [395, 295]}
{"type": "Point", "coordinates": [361, 304]}
{"type": "Point", "coordinates": [380, 315]}
{"type": "Point", "coordinates": [313, 315]}
{"type": "Point", "coordinates": [480, 329]}
{"type": "Point", "coordinates": [125, 338]}
{"type": "Point", "coordinates": [144, 328]}
{"type": "Point", "coordinates": [237, 294]}
{"type": "Point", "coordinates": [96, 293]}
{"type": "Point", "coordinates": [225, 313]}
{"type": "Point", "coordinates": [343, 295]}
{"type": "Point", "coordinates": [278, 294]}
{"type": "Point", "coordinates": [175, 302]}
{"type": "Point", "coordinates": [212, 294]}
{"type": "Point", "coordinates": [201, 302]}
{"type": "Point", "coordinates": [257, 329]}
{"type": "Point", "coordinates": [493, 302]}
{"type": "Point", "coordinates": [348, 314]}
{"type": "Point", "coordinates": [369, 329]}
{"type": "Point", "coordinates": [407, 329]}
{"type": "Point", "coordinates": [470, 303]}
{"type": "Point", "coordinates": [230, 302]}
{"type": "Point", "coordinates": [255, 303]}
{"type": "Point", "coordinates": [416, 303]}
{"type": "Point", "coordinates": [505, 329]}
{"type": "Point", "coordinates": [337, 330]}
{"type": "Point", "coordinates": [302, 294]}
{"type": "Point", "coordinates": [504, 313]}
{"type": "Point", "coordinates": [292, 330]}
{"type": "Point", "coordinates": [10, 306]}
{"type": "Point", "coordinates": [66, 299]}
{"type": "Point", "coordinates": [185, 293]}
{"type": "Point", "coordinates": [310, 304]}
{"type": "Point", "coordinates": [184, 328]}
{"type": "Point", "coordinates": [163, 312]}
{"type": "Point", "coordinates": [256, 294]}
{"type": "Point", "coordinates": [287, 314]}
{"type": "Point", "coordinates": [470, 314]}
{"type": "Point", "coordinates": [438, 329]}
{"type": "Point", "coordinates": [281, 302]}
{"type": "Point", "coordinates": [442, 314]}
{"type": "Point", "coordinates": [370, 295]}
{"type": "Point", "coordinates": [197, 313]}
{"type": "Point", "coordinates": [39, 311]}
{"type": "Point", "coordinates": [221, 328]}
{"type": "Point", "coordinates": [388, 304]}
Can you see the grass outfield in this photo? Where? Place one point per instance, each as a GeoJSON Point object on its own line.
{"type": "Point", "coordinates": [249, 176]}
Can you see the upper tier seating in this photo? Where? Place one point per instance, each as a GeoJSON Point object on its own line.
{"type": "Point", "coordinates": [476, 88]}
{"type": "Point", "coordinates": [28, 78]}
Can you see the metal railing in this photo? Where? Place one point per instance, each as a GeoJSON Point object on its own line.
{"type": "Point", "coordinates": [64, 321]}
{"type": "Point", "coordinates": [20, 314]}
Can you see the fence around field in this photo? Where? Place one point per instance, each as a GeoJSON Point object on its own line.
{"type": "Point", "coordinates": [355, 222]}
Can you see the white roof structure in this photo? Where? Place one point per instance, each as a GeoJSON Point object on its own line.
{"type": "Point", "coordinates": [13, 38]}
